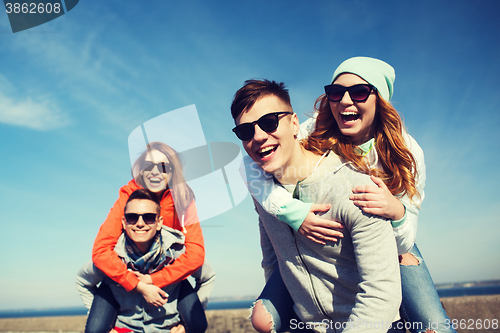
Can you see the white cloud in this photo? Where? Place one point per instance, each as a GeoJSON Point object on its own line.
{"type": "Point", "coordinates": [42, 114]}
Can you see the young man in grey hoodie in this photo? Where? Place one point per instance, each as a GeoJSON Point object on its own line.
{"type": "Point", "coordinates": [145, 246]}
{"type": "Point", "coordinates": [352, 285]}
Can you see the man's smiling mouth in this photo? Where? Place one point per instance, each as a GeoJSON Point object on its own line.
{"type": "Point", "coordinates": [267, 151]}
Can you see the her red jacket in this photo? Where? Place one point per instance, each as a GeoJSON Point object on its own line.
{"type": "Point", "coordinates": [106, 259]}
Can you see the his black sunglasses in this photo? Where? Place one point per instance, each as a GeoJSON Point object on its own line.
{"type": "Point", "coordinates": [148, 218]}
{"type": "Point", "coordinates": [268, 123]}
{"type": "Point", "coordinates": [162, 166]}
{"type": "Point", "coordinates": [357, 92]}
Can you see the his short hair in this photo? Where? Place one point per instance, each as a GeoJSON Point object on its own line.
{"type": "Point", "coordinates": [143, 194]}
{"type": "Point", "coordinates": [253, 90]}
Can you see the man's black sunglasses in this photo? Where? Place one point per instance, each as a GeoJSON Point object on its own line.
{"type": "Point", "coordinates": [268, 123]}
{"type": "Point", "coordinates": [148, 218]}
{"type": "Point", "coordinates": [358, 92]}
{"type": "Point", "coordinates": [162, 167]}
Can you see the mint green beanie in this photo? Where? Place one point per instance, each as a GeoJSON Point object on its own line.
{"type": "Point", "coordinates": [379, 74]}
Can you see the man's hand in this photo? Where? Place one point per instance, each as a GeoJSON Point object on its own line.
{"type": "Point", "coordinates": [377, 200]}
{"type": "Point", "coordinates": [319, 229]}
{"type": "Point", "coordinates": [152, 294]}
{"type": "Point", "coordinates": [178, 329]}
{"type": "Point", "coordinates": [144, 278]}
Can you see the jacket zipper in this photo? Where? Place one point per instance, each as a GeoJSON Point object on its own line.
{"type": "Point", "coordinates": [320, 307]}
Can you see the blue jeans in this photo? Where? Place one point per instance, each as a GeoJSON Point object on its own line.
{"type": "Point", "coordinates": [191, 310]}
{"type": "Point", "coordinates": [421, 305]}
{"type": "Point", "coordinates": [102, 315]}
{"type": "Point", "coordinates": [278, 302]}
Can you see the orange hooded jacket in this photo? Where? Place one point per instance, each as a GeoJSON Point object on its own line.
{"type": "Point", "coordinates": [106, 259]}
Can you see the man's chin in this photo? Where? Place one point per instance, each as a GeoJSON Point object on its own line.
{"type": "Point", "coordinates": [272, 169]}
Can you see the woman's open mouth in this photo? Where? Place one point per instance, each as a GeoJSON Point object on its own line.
{"type": "Point", "coordinates": [349, 116]}
{"type": "Point", "coordinates": [155, 181]}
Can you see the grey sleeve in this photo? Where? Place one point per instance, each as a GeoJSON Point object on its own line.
{"type": "Point", "coordinates": [204, 279]}
{"type": "Point", "coordinates": [379, 296]}
{"type": "Point", "coordinates": [87, 279]}
{"type": "Point", "coordinates": [269, 259]}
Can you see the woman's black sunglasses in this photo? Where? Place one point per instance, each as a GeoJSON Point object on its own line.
{"type": "Point", "coordinates": [268, 123]}
{"type": "Point", "coordinates": [148, 218]}
{"type": "Point", "coordinates": [358, 92]}
{"type": "Point", "coordinates": [162, 167]}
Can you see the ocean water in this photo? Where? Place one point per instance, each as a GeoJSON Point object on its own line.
{"type": "Point", "coordinates": [80, 311]}
{"type": "Point", "coordinates": [469, 291]}
{"type": "Point", "coordinates": [76, 311]}
{"type": "Point", "coordinates": [240, 304]}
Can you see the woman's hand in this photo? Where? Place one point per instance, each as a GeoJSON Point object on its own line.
{"type": "Point", "coordinates": [144, 278]}
{"type": "Point", "coordinates": [319, 229]}
{"type": "Point", "coordinates": [377, 200]}
{"type": "Point", "coordinates": [152, 294]}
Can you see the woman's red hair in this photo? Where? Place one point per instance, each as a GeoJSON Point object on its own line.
{"type": "Point", "coordinates": [399, 166]}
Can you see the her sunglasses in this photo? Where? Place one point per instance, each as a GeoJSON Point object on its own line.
{"type": "Point", "coordinates": [268, 123]}
{"type": "Point", "coordinates": [148, 218]}
{"type": "Point", "coordinates": [358, 92]}
{"type": "Point", "coordinates": [162, 167]}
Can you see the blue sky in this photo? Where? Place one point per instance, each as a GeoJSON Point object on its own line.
{"type": "Point", "coordinates": [72, 90]}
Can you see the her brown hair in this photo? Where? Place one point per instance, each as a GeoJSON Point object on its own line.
{"type": "Point", "coordinates": [181, 192]}
{"type": "Point", "coordinates": [399, 166]}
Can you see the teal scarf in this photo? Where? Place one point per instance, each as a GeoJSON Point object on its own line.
{"type": "Point", "coordinates": [152, 261]}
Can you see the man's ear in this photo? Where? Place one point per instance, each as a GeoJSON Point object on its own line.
{"type": "Point", "coordinates": [296, 124]}
{"type": "Point", "coordinates": [160, 223]}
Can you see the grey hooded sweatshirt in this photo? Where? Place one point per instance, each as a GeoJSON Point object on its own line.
{"type": "Point", "coordinates": [352, 285]}
{"type": "Point", "coordinates": [135, 313]}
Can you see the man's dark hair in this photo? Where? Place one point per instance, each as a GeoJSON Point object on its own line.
{"type": "Point", "coordinates": [143, 194]}
{"type": "Point", "coordinates": [253, 90]}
